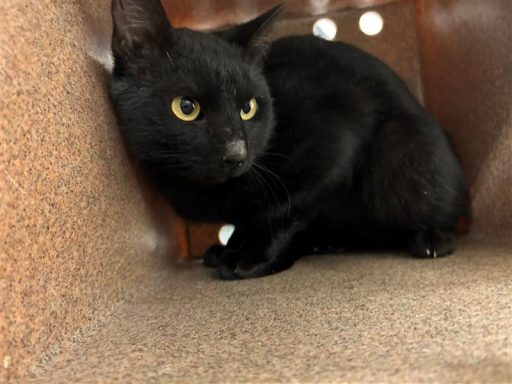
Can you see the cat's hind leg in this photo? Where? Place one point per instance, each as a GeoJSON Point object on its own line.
{"type": "Point", "coordinates": [418, 186]}
{"type": "Point", "coordinates": [432, 243]}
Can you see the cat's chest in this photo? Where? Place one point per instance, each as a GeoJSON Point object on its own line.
{"type": "Point", "coordinates": [222, 204]}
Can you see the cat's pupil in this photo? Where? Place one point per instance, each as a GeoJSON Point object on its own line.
{"type": "Point", "coordinates": [246, 108]}
{"type": "Point", "coordinates": [187, 106]}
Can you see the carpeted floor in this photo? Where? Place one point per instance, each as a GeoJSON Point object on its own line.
{"type": "Point", "coordinates": [348, 318]}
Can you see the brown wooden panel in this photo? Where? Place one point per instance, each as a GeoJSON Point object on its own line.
{"type": "Point", "coordinates": [201, 237]}
{"type": "Point", "coordinates": [467, 63]}
{"type": "Point", "coordinates": [208, 14]}
{"type": "Point", "coordinates": [466, 49]}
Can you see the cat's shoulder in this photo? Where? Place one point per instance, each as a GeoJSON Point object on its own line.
{"type": "Point", "coordinates": [308, 44]}
{"type": "Point", "coordinates": [334, 59]}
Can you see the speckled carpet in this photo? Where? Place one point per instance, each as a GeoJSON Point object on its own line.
{"type": "Point", "coordinates": [345, 318]}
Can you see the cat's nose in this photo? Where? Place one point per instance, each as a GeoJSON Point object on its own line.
{"type": "Point", "coordinates": [236, 153]}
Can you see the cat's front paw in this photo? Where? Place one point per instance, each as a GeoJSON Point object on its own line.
{"type": "Point", "coordinates": [246, 269]}
{"type": "Point", "coordinates": [432, 243]}
{"type": "Point", "coordinates": [213, 256]}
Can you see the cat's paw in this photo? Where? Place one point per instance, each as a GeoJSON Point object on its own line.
{"type": "Point", "coordinates": [246, 269]}
{"type": "Point", "coordinates": [213, 256]}
{"type": "Point", "coordinates": [432, 243]}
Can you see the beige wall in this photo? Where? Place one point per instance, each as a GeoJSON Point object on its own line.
{"type": "Point", "coordinates": [76, 232]}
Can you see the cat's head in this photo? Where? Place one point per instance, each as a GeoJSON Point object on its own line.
{"type": "Point", "coordinates": [192, 105]}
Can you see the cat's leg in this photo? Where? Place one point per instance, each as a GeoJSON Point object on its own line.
{"type": "Point", "coordinates": [432, 243]}
{"type": "Point", "coordinates": [213, 255]}
{"type": "Point", "coordinates": [418, 186]}
{"type": "Point", "coordinates": [264, 250]}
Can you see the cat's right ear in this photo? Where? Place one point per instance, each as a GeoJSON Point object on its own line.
{"type": "Point", "coordinates": [251, 35]}
{"type": "Point", "coordinates": [139, 26]}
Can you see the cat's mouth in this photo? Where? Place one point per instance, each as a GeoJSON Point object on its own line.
{"type": "Point", "coordinates": [235, 173]}
{"type": "Point", "coordinates": [239, 171]}
{"type": "Point", "coordinates": [223, 176]}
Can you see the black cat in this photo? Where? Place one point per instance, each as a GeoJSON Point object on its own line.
{"type": "Point", "coordinates": [304, 145]}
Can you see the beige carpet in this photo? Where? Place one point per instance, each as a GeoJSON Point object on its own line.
{"type": "Point", "coordinates": [363, 318]}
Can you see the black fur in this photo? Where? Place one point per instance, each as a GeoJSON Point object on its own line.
{"type": "Point", "coordinates": [339, 155]}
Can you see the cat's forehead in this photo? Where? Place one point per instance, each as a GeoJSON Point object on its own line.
{"type": "Point", "coordinates": [207, 61]}
{"type": "Point", "coordinates": [199, 45]}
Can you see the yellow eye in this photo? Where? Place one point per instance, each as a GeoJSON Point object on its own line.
{"type": "Point", "coordinates": [185, 108]}
{"type": "Point", "coordinates": [249, 110]}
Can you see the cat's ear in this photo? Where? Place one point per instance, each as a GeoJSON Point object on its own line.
{"type": "Point", "coordinates": [138, 25]}
{"type": "Point", "coordinates": [251, 35]}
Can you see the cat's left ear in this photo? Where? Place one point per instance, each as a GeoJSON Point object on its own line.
{"type": "Point", "coordinates": [250, 35]}
{"type": "Point", "coordinates": [138, 25]}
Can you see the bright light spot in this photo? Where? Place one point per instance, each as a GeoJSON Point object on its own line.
{"type": "Point", "coordinates": [225, 233]}
{"type": "Point", "coordinates": [150, 240]}
{"type": "Point", "coordinates": [371, 23]}
{"type": "Point", "coordinates": [325, 29]}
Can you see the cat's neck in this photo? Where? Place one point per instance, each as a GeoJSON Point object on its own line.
{"type": "Point", "coordinates": [211, 203]}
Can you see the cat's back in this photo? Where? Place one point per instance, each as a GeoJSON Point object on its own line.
{"type": "Point", "coordinates": [312, 55]}
{"type": "Point", "coordinates": [306, 66]}
{"type": "Point", "coordinates": [308, 50]}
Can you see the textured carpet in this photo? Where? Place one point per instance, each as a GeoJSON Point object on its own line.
{"type": "Point", "coordinates": [364, 318]}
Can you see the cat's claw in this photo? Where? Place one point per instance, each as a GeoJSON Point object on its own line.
{"type": "Point", "coordinates": [227, 273]}
{"type": "Point", "coordinates": [432, 243]}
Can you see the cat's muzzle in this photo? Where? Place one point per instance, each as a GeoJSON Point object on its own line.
{"type": "Point", "coordinates": [235, 157]}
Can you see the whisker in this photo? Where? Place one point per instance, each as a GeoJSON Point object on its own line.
{"type": "Point", "coordinates": [276, 155]}
{"type": "Point", "coordinates": [260, 185]}
{"type": "Point", "coordinates": [273, 176]}
{"type": "Point", "coordinates": [264, 186]}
